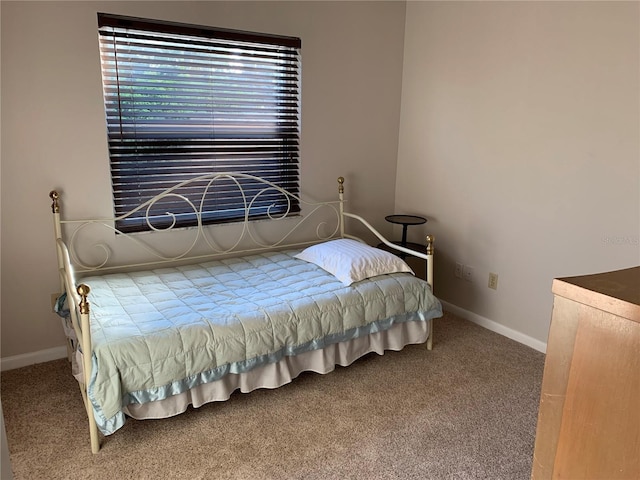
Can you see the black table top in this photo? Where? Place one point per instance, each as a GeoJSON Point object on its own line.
{"type": "Point", "coordinates": [406, 219]}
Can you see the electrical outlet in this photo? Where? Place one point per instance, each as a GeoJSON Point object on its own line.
{"type": "Point", "coordinates": [459, 269]}
{"type": "Point", "coordinates": [493, 280]}
{"type": "Point", "coordinates": [467, 273]}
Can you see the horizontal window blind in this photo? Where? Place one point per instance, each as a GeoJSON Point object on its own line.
{"type": "Point", "coordinates": [182, 101]}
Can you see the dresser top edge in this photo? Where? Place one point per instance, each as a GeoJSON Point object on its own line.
{"type": "Point", "coordinates": [617, 292]}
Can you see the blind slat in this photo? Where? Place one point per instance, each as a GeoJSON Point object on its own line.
{"type": "Point", "coordinates": [184, 100]}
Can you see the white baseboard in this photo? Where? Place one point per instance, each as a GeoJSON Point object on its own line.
{"type": "Point", "coordinates": [26, 359]}
{"type": "Point", "coordinates": [496, 327]}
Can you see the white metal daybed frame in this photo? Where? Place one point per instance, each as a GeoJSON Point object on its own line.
{"type": "Point", "coordinates": [69, 262]}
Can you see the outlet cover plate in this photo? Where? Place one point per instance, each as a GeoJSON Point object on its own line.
{"type": "Point", "coordinates": [493, 280]}
{"type": "Point", "coordinates": [459, 270]}
{"type": "Point", "coordinates": [468, 273]}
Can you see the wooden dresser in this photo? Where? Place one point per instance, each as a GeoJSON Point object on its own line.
{"type": "Point", "coordinates": [589, 418]}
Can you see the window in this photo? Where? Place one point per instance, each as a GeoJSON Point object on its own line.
{"type": "Point", "coordinates": [182, 101]}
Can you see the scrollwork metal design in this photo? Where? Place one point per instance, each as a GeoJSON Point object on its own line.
{"type": "Point", "coordinates": [202, 237]}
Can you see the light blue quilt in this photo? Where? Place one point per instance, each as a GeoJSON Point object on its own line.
{"type": "Point", "coordinates": [158, 333]}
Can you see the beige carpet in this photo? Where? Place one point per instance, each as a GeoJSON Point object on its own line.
{"type": "Point", "coordinates": [465, 410]}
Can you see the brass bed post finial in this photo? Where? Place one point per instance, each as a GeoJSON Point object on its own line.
{"type": "Point", "coordinates": [430, 240]}
{"type": "Point", "coordinates": [83, 291]}
{"type": "Point", "coordinates": [55, 207]}
{"type": "Point", "coordinates": [341, 197]}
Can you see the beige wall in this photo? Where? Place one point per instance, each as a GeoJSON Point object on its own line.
{"type": "Point", "coordinates": [519, 139]}
{"type": "Point", "coordinates": [53, 128]}
{"type": "Point", "coordinates": [518, 136]}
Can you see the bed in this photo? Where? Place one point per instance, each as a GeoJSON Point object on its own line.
{"type": "Point", "coordinates": [146, 339]}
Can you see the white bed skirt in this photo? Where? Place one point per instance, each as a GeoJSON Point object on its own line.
{"type": "Point", "coordinates": [277, 374]}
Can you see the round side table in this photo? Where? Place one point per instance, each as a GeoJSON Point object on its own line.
{"type": "Point", "coordinates": [405, 221]}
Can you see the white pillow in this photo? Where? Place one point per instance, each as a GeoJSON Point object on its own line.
{"type": "Point", "coordinates": [351, 261]}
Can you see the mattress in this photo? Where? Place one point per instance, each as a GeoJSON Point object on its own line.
{"type": "Point", "coordinates": [162, 333]}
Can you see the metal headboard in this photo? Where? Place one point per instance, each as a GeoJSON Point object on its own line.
{"type": "Point", "coordinates": [202, 245]}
